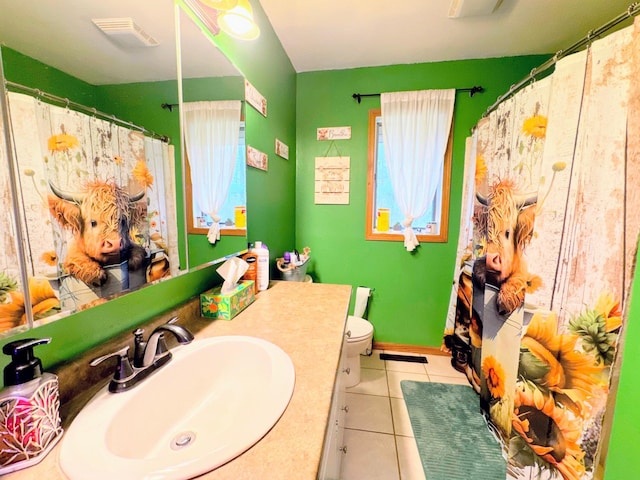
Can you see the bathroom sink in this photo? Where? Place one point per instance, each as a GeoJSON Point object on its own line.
{"type": "Point", "coordinates": [213, 401]}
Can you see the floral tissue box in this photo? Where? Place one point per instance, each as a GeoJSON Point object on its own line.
{"type": "Point", "coordinates": [214, 304]}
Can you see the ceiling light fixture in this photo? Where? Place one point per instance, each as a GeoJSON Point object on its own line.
{"type": "Point", "coordinates": [238, 22]}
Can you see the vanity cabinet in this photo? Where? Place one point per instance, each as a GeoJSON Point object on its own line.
{"type": "Point", "coordinates": [334, 448]}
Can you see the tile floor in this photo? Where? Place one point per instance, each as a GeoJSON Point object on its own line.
{"type": "Point", "coordinates": [378, 435]}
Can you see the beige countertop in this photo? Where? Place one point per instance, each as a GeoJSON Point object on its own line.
{"type": "Point", "coordinates": [307, 321]}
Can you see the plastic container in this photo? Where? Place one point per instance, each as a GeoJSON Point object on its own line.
{"type": "Point", "coordinates": [252, 272]}
{"type": "Point", "coordinates": [262, 251]}
{"type": "Point", "coordinates": [29, 408]}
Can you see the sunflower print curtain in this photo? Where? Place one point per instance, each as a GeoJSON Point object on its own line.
{"type": "Point", "coordinates": [69, 150]}
{"type": "Point", "coordinates": [540, 305]}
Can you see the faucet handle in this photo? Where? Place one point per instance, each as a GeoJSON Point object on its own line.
{"type": "Point", "coordinates": [173, 320]}
{"type": "Point", "coordinates": [123, 367]}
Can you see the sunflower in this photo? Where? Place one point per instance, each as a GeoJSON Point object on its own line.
{"type": "Point", "coordinates": [481, 169]}
{"type": "Point", "coordinates": [551, 360]}
{"type": "Point", "coordinates": [494, 374]}
{"type": "Point", "coordinates": [62, 142]}
{"type": "Point", "coordinates": [548, 430]}
{"type": "Point", "coordinates": [43, 299]}
{"type": "Point", "coordinates": [609, 308]}
{"type": "Point", "coordinates": [535, 126]}
{"type": "Point", "coordinates": [50, 258]}
{"type": "Point", "coordinates": [142, 174]}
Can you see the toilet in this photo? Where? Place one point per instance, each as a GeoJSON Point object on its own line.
{"type": "Point", "coordinates": [359, 340]}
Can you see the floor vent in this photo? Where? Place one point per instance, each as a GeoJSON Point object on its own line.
{"type": "Point", "coordinates": [403, 358]}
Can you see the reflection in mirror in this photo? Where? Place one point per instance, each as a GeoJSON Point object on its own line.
{"type": "Point", "coordinates": [213, 128]}
{"type": "Point", "coordinates": [93, 195]}
{"type": "Point", "coordinates": [96, 193]}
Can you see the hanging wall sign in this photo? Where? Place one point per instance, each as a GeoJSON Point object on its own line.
{"type": "Point", "coordinates": [334, 133]}
{"type": "Point", "coordinates": [257, 159]}
{"type": "Point", "coordinates": [253, 98]}
{"type": "Point", "coordinates": [332, 180]}
{"type": "Point", "coordinates": [282, 149]}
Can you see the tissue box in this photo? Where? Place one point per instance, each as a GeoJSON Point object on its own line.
{"type": "Point", "coordinates": [214, 304]}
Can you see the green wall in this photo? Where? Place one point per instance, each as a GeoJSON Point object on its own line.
{"type": "Point", "coordinates": [412, 290]}
{"type": "Point", "coordinates": [624, 443]}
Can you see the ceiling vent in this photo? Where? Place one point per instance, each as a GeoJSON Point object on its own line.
{"type": "Point", "coordinates": [125, 32]}
{"type": "Point", "coordinates": [472, 8]}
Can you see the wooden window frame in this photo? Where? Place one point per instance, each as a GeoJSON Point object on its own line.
{"type": "Point", "coordinates": [443, 235]}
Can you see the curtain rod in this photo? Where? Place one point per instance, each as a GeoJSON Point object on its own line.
{"type": "Point", "coordinates": [171, 106]}
{"type": "Point", "coordinates": [83, 108]}
{"type": "Point", "coordinates": [632, 11]}
{"type": "Point", "coordinates": [472, 91]}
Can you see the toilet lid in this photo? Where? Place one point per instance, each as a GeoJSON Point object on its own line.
{"type": "Point", "coordinates": [359, 327]}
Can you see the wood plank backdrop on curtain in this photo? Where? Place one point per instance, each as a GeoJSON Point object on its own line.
{"type": "Point", "coordinates": [537, 321]}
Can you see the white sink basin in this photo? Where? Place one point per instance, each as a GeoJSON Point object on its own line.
{"type": "Point", "coordinates": [215, 399]}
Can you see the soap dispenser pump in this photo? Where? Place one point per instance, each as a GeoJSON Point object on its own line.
{"type": "Point", "coordinates": [29, 408]}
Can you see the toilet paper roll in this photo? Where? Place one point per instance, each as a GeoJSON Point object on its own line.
{"type": "Point", "coordinates": [362, 298]}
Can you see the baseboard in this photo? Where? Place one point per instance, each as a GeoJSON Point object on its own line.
{"type": "Point", "coordinates": [399, 347]}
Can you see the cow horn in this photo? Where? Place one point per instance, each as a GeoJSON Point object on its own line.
{"type": "Point", "coordinates": [523, 201]}
{"type": "Point", "coordinates": [482, 199]}
{"type": "Point", "coordinates": [76, 197]}
{"type": "Point", "coordinates": [136, 197]}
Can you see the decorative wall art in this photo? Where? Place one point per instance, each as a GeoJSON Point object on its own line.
{"type": "Point", "coordinates": [332, 180]}
{"type": "Point", "coordinates": [542, 282]}
{"type": "Point", "coordinates": [334, 133]}
{"type": "Point", "coordinates": [254, 98]}
{"type": "Point", "coordinates": [257, 159]}
{"type": "Point", "coordinates": [282, 149]}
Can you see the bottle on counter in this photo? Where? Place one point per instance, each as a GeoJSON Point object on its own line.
{"type": "Point", "coordinates": [29, 408]}
{"type": "Point", "coordinates": [252, 272]}
{"type": "Point", "coordinates": [262, 251]}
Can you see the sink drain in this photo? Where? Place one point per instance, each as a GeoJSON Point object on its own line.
{"type": "Point", "coordinates": [183, 440]}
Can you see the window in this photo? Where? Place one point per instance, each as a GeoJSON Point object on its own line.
{"type": "Point", "coordinates": [384, 218]}
{"type": "Point", "coordinates": [232, 222]}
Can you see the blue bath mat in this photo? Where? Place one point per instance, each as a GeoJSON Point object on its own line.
{"type": "Point", "coordinates": [453, 439]}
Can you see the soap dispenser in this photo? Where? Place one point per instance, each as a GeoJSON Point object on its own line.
{"type": "Point", "coordinates": [29, 408]}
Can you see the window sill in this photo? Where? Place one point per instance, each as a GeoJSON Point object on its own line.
{"type": "Point", "coordinates": [225, 231]}
{"type": "Point", "coordinates": [399, 237]}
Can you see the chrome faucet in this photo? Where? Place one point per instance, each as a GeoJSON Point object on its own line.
{"type": "Point", "coordinates": [148, 355]}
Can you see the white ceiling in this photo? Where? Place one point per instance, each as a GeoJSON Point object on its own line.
{"type": "Point", "coordinates": [316, 34]}
{"type": "Point", "coordinates": [338, 34]}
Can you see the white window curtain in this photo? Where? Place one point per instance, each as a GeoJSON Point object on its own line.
{"type": "Point", "coordinates": [415, 128]}
{"type": "Point", "coordinates": [211, 139]}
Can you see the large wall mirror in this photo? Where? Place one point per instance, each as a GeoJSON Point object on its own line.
{"type": "Point", "coordinates": [213, 125]}
{"type": "Point", "coordinates": [94, 160]}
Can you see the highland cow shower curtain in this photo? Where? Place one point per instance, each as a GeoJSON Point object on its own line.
{"type": "Point", "coordinates": [540, 295]}
{"type": "Point", "coordinates": [94, 196]}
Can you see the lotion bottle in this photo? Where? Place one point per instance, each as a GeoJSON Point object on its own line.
{"type": "Point", "coordinates": [29, 408]}
{"type": "Point", "coordinates": [262, 251]}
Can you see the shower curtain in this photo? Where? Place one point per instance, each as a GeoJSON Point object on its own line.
{"type": "Point", "coordinates": [541, 292]}
{"type": "Point", "coordinates": [65, 151]}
